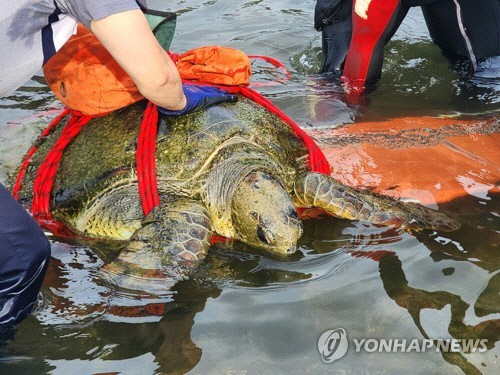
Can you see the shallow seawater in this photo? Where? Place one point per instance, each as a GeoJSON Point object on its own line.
{"type": "Point", "coordinates": [246, 312]}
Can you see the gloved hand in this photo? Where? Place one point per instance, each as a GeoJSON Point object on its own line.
{"type": "Point", "coordinates": [199, 97]}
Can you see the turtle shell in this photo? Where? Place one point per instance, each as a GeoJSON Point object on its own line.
{"type": "Point", "coordinates": [101, 160]}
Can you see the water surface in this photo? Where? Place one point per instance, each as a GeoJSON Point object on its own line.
{"type": "Point", "coordinates": [247, 312]}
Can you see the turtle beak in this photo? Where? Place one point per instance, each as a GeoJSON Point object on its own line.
{"type": "Point", "coordinates": [336, 38]}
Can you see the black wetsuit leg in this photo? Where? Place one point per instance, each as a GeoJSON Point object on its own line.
{"type": "Point", "coordinates": [334, 19]}
{"type": "Point", "coordinates": [481, 21]}
{"type": "Point", "coordinates": [24, 255]}
{"type": "Point", "coordinates": [335, 38]}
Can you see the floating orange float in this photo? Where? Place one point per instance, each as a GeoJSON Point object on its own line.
{"type": "Point", "coordinates": [432, 160]}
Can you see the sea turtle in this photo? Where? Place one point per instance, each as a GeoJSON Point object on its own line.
{"type": "Point", "coordinates": [235, 170]}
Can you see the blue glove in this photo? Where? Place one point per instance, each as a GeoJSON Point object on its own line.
{"type": "Point", "coordinates": [199, 97]}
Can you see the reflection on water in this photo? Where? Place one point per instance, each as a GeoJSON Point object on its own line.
{"type": "Point", "coordinates": [246, 312]}
{"type": "Point", "coordinates": [345, 274]}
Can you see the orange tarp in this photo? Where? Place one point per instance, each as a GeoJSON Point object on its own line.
{"type": "Point", "coordinates": [433, 160]}
{"type": "Point", "coordinates": [86, 78]}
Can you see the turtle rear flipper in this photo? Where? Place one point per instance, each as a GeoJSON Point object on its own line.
{"type": "Point", "coordinates": [319, 190]}
{"type": "Point", "coordinates": [173, 238]}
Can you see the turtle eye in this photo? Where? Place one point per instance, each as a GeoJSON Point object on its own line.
{"type": "Point", "coordinates": [254, 215]}
{"type": "Point", "coordinates": [294, 214]}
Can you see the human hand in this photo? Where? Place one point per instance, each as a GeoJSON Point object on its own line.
{"type": "Point", "coordinates": [199, 97]}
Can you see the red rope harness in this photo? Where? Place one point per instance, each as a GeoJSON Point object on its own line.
{"type": "Point", "coordinates": [27, 159]}
{"type": "Point", "coordinates": [278, 64]}
{"type": "Point", "coordinates": [317, 160]}
{"type": "Point", "coordinates": [145, 157]}
{"type": "Point", "coordinates": [146, 160]}
{"type": "Point", "coordinates": [46, 173]}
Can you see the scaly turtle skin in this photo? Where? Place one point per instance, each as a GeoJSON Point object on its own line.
{"type": "Point", "coordinates": [233, 169]}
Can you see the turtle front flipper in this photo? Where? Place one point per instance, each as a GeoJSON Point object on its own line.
{"type": "Point", "coordinates": [323, 191]}
{"type": "Point", "coordinates": [173, 238]}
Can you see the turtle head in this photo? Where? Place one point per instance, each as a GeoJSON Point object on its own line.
{"type": "Point", "coordinates": [264, 216]}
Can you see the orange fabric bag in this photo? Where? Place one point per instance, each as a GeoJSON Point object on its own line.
{"type": "Point", "coordinates": [215, 64]}
{"type": "Point", "coordinates": [85, 77]}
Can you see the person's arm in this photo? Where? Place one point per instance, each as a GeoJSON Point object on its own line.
{"type": "Point", "coordinates": [129, 39]}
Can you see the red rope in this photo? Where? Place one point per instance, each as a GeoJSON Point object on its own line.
{"type": "Point", "coordinates": [45, 176]}
{"type": "Point", "coordinates": [46, 173]}
{"type": "Point", "coordinates": [278, 64]}
{"type": "Point", "coordinates": [145, 160]}
{"type": "Point", "coordinates": [27, 159]}
{"type": "Point", "coordinates": [317, 160]}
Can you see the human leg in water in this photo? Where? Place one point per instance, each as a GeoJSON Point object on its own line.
{"type": "Point", "coordinates": [465, 28]}
{"type": "Point", "coordinates": [24, 256]}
